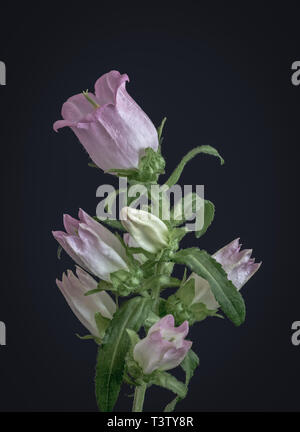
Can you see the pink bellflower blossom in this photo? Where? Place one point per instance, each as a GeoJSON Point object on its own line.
{"type": "Point", "coordinates": [110, 125]}
{"type": "Point", "coordinates": [164, 347]}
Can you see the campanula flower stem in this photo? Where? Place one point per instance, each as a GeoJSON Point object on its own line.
{"type": "Point", "coordinates": [139, 396]}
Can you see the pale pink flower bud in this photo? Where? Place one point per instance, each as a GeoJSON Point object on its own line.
{"type": "Point", "coordinates": [147, 230]}
{"type": "Point", "coordinates": [91, 245]}
{"type": "Point", "coordinates": [115, 131]}
{"type": "Point", "coordinates": [238, 265]}
{"type": "Point", "coordinates": [85, 307]}
{"type": "Point", "coordinates": [164, 347]}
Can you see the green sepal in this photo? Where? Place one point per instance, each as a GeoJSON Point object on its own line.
{"type": "Point", "coordinates": [112, 353]}
{"type": "Point", "coordinates": [151, 165]}
{"type": "Point", "coordinates": [102, 286]}
{"type": "Point", "coordinates": [199, 312]}
{"type": "Point", "coordinates": [102, 323]}
{"type": "Point", "coordinates": [92, 165]}
{"type": "Point", "coordinates": [133, 338]}
{"type": "Point", "coordinates": [173, 179]}
{"type": "Point", "coordinates": [59, 251]}
{"type": "Point", "coordinates": [226, 294]}
{"type": "Point", "coordinates": [112, 223]}
{"type": "Point", "coordinates": [160, 130]}
{"type": "Point", "coordinates": [125, 282]}
{"type": "Point", "coordinates": [168, 381]}
{"type": "Point", "coordinates": [150, 320]}
{"type": "Point", "coordinates": [89, 337]}
{"type": "Point", "coordinates": [93, 291]}
{"type": "Point", "coordinates": [132, 369]}
{"type": "Point", "coordinates": [186, 292]}
{"type": "Point", "coordinates": [189, 364]}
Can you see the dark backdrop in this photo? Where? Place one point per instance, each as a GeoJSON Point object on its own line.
{"type": "Point", "coordinates": [222, 76]}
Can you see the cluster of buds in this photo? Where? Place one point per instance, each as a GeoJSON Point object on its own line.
{"type": "Point", "coordinates": [194, 300]}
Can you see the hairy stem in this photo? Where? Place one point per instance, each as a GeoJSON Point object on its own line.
{"type": "Point", "coordinates": [139, 396]}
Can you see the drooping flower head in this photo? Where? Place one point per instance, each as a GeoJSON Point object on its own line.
{"type": "Point", "coordinates": [110, 125]}
{"type": "Point", "coordinates": [164, 347]}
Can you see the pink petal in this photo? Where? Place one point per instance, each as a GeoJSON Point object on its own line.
{"type": "Point", "coordinates": [107, 85]}
{"type": "Point", "coordinates": [71, 225]}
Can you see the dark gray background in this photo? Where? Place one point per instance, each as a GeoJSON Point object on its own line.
{"type": "Point", "coordinates": [222, 76]}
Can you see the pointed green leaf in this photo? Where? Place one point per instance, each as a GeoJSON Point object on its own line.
{"type": "Point", "coordinates": [209, 214]}
{"type": "Point", "coordinates": [173, 179]}
{"type": "Point", "coordinates": [189, 364]}
{"type": "Point", "coordinates": [115, 345]}
{"type": "Point", "coordinates": [168, 381]}
{"type": "Point", "coordinates": [229, 298]}
{"type": "Point", "coordinates": [102, 323]}
{"type": "Point", "coordinates": [112, 223]}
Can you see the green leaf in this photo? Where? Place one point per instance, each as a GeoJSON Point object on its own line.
{"type": "Point", "coordinates": [189, 364]}
{"type": "Point", "coordinates": [229, 298]}
{"type": "Point", "coordinates": [115, 345]}
{"type": "Point", "coordinates": [209, 214]}
{"type": "Point", "coordinates": [168, 381]}
{"type": "Point", "coordinates": [173, 179]}
{"type": "Point", "coordinates": [184, 209]}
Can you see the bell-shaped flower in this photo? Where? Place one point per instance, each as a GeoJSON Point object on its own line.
{"type": "Point", "coordinates": [147, 230]}
{"type": "Point", "coordinates": [85, 307]}
{"type": "Point", "coordinates": [110, 125]}
{"type": "Point", "coordinates": [91, 245]}
{"type": "Point", "coordinates": [238, 265]}
{"type": "Point", "coordinates": [164, 347]}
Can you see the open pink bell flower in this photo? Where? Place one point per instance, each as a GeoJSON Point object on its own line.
{"type": "Point", "coordinates": [110, 125]}
{"type": "Point", "coordinates": [164, 347]}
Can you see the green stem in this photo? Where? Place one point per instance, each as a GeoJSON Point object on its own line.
{"type": "Point", "coordinates": [139, 396]}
